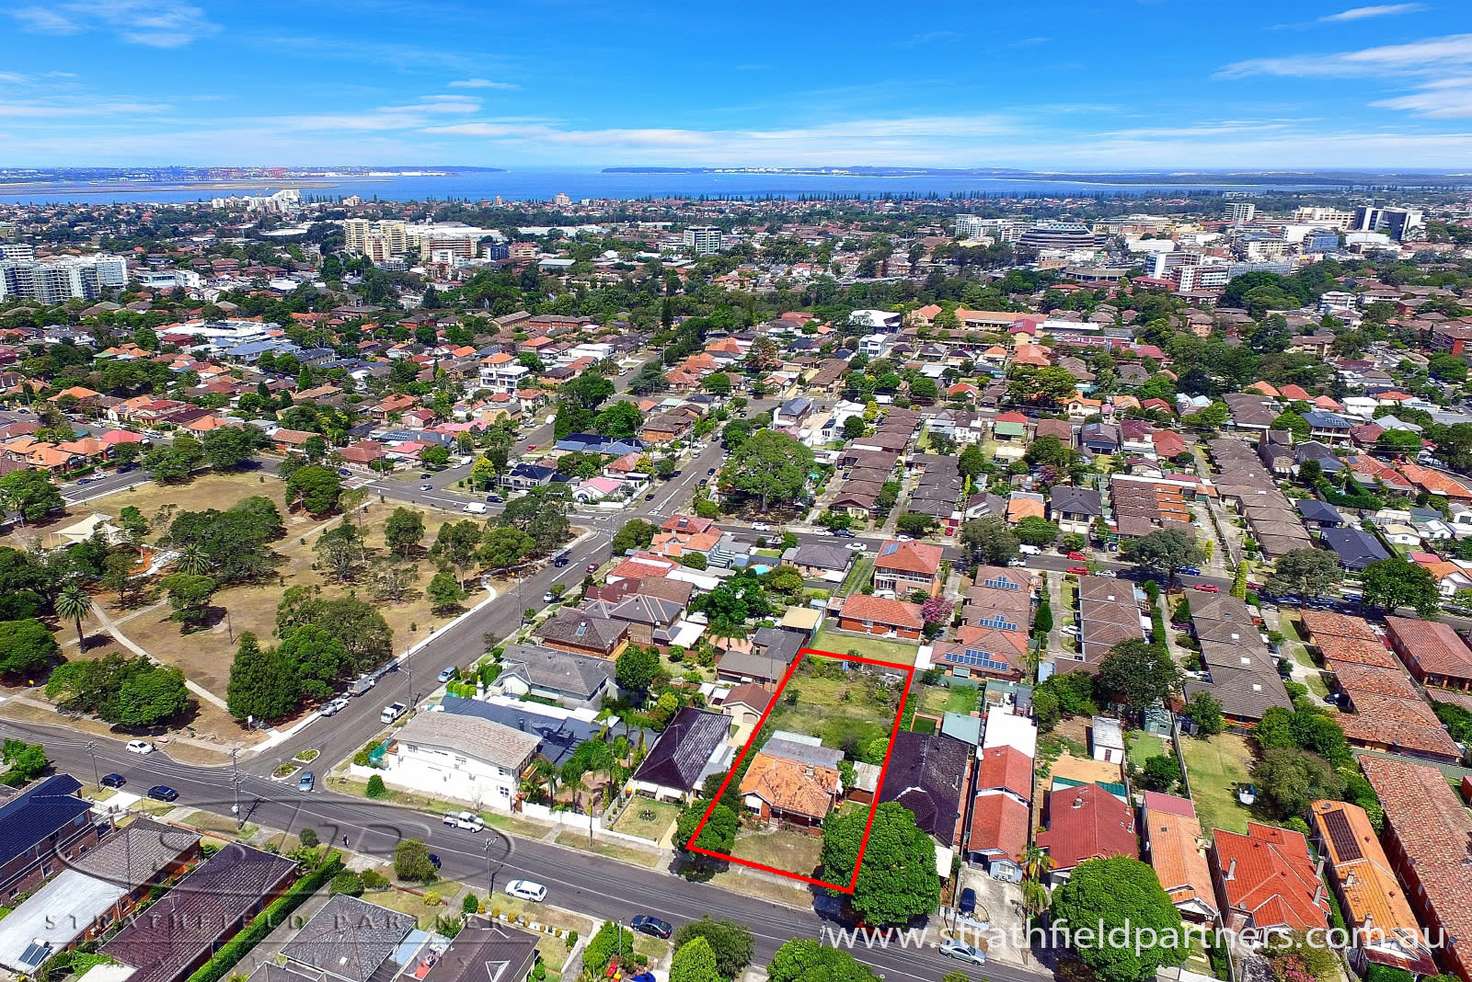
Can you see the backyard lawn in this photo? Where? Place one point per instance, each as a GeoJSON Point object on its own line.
{"type": "Point", "coordinates": [1141, 746]}
{"type": "Point", "coordinates": [858, 575]}
{"type": "Point", "coordinates": [937, 699]}
{"type": "Point", "coordinates": [842, 708]}
{"type": "Point", "coordinates": [1215, 767]}
{"type": "Point", "coordinates": [841, 642]}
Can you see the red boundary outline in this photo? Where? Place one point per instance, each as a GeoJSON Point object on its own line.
{"type": "Point", "coordinates": [894, 732]}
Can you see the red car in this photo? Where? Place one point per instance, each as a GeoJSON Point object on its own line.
{"type": "Point", "coordinates": [531, 446]}
{"type": "Point", "coordinates": [1078, 556]}
{"type": "Point", "coordinates": [1079, 570]}
{"type": "Point", "coordinates": [1207, 588]}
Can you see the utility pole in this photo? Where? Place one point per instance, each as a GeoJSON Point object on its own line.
{"type": "Point", "coordinates": [92, 750]}
{"type": "Point", "coordinates": [235, 782]}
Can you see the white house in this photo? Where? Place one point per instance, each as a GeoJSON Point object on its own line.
{"type": "Point", "coordinates": [1005, 729]}
{"type": "Point", "coordinates": [1107, 738]}
{"type": "Point", "coordinates": [466, 758]}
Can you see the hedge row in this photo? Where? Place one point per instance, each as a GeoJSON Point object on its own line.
{"type": "Point", "coordinates": [266, 921]}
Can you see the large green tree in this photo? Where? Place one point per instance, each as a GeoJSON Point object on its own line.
{"type": "Point", "coordinates": [25, 646]}
{"type": "Point", "coordinates": [694, 961]}
{"type": "Point", "coordinates": [730, 942]}
{"type": "Point", "coordinates": [1306, 572]}
{"type": "Point", "coordinates": [316, 488]}
{"type": "Point", "coordinates": [262, 684]}
{"type": "Point", "coordinates": [1136, 674]}
{"type": "Point", "coordinates": [806, 960]}
{"type": "Point", "coordinates": [1394, 583]}
{"type": "Point", "coordinates": [1165, 551]}
{"type": "Point", "coordinates": [990, 540]}
{"type": "Point", "coordinates": [31, 493]}
{"type": "Point", "coordinates": [1106, 898]}
{"type": "Point", "coordinates": [897, 880]}
{"type": "Point", "coordinates": [769, 468]}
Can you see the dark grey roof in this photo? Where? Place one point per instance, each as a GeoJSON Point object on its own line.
{"type": "Point", "coordinates": [679, 756]}
{"type": "Point", "coordinates": [778, 643]}
{"type": "Point", "coordinates": [1355, 548]}
{"type": "Point", "coordinates": [576, 675]}
{"type": "Point", "coordinates": [37, 812]}
{"type": "Point", "coordinates": [164, 941]}
{"type": "Point", "coordinates": [821, 555]}
{"type": "Point", "coordinates": [349, 938]}
{"type": "Point", "coordinates": [559, 735]}
{"type": "Point", "coordinates": [583, 629]}
{"type": "Point", "coordinates": [1067, 499]}
{"type": "Point", "coordinates": [135, 855]}
{"type": "Point", "coordinates": [485, 952]}
{"type": "Point", "coordinates": [926, 772]}
{"type": "Point", "coordinates": [1319, 511]}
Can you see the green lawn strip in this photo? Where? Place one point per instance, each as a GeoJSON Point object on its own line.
{"type": "Point", "coordinates": [1141, 746]}
{"type": "Point", "coordinates": [1215, 768]}
{"type": "Point", "coordinates": [880, 649]}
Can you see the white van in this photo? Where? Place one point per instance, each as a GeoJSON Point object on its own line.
{"type": "Point", "coordinates": [1028, 550]}
{"type": "Point", "coordinates": [476, 508]}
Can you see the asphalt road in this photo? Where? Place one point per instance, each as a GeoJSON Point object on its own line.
{"type": "Point", "coordinates": [575, 880]}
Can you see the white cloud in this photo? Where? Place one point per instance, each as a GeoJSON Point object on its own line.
{"type": "Point", "coordinates": [51, 110]}
{"type": "Point", "coordinates": [1426, 57]}
{"type": "Point", "coordinates": [1375, 10]}
{"type": "Point", "coordinates": [154, 23]}
{"type": "Point", "coordinates": [1447, 98]}
{"type": "Point", "coordinates": [482, 83]}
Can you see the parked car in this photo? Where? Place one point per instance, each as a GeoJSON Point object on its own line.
{"type": "Point", "coordinates": [140, 747]}
{"type": "Point", "coordinates": [1190, 570]}
{"type": "Point", "coordinates": [857, 547]}
{"type": "Point", "coordinates": [469, 821]}
{"type": "Point", "coordinates": [592, 567]}
{"type": "Point", "coordinates": [162, 792]}
{"type": "Point", "coordinates": [392, 712]}
{"type": "Point", "coordinates": [494, 498]}
{"type": "Point", "coordinates": [961, 951]}
{"type": "Point", "coordinates": [651, 925]}
{"type": "Point", "coordinates": [526, 890]}
{"type": "Point", "coordinates": [967, 903]}
{"type": "Point", "coordinates": [1207, 588]}
{"type": "Point", "coordinates": [335, 706]}
{"type": "Point", "coordinates": [343, 471]}
{"type": "Point", "coordinates": [445, 675]}
{"type": "Point", "coordinates": [306, 782]}
{"type": "Point", "coordinates": [1078, 570]}
{"type": "Point", "coordinates": [710, 471]}
{"type": "Point", "coordinates": [843, 533]}
{"type": "Point", "coordinates": [424, 476]}
{"type": "Point", "coordinates": [113, 781]}
{"type": "Point", "coordinates": [761, 527]}
{"type": "Point", "coordinates": [1078, 556]}
{"type": "Point", "coordinates": [549, 597]}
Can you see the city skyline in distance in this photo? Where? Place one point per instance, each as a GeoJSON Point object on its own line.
{"type": "Point", "coordinates": [1068, 86]}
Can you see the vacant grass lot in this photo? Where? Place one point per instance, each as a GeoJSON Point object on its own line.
{"type": "Point", "coordinates": [205, 655]}
{"type": "Point", "coordinates": [1215, 767]}
{"type": "Point", "coordinates": [843, 643]}
{"type": "Point", "coordinates": [842, 708]}
{"type": "Point", "coordinates": [1141, 746]}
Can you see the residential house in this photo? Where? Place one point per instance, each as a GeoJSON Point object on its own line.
{"type": "Point", "coordinates": [180, 930]}
{"type": "Point", "coordinates": [1084, 822]}
{"type": "Point", "coordinates": [902, 568]}
{"type": "Point", "coordinates": [584, 633]}
{"type": "Point", "coordinates": [349, 940]}
{"type": "Point", "coordinates": [1266, 879]}
{"type": "Point", "coordinates": [930, 774]}
{"type": "Point", "coordinates": [570, 679]}
{"type": "Point", "coordinates": [1172, 842]}
{"type": "Point", "coordinates": [485, 951]}
{"type": "Point", "coordinates": [1000, 816]}
{"type": "Point", "coordinates": [1376, 909]}
{"type": "Point", "coordinates": [690, 749]}
{"type": "Point", "coordinates": [1427, 831]}
{"type": "Point", "coordinates": [1433, 652]}
{"type": "Point", "coordinates": [793, 779]}
{"type": "Point", "coordinates": [448, 755]}
{"type": "Point", "coordinates": [881, 616]}
{"type": "Point", "coordinates": [1355, 547]}
{"type": "Point", "coordinates": [42, 830]}
{"type": "Point", "coordinates": [1075, 509]}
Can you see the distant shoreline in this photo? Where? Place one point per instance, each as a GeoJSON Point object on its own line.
{"type": "Point", "coordinates": [239, 184]}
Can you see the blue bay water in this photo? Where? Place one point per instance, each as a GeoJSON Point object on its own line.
{"type": "Point", "coordinates": [542, 184]}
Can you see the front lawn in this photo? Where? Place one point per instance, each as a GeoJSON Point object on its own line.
{"type": "Point", "coordinates": [880, 649]}
{"type": "Point", "coordinates": [791, 850]}
{"type": "Point", "coordinates": [1215, 767]}
{"type": "Point", "coordinates": [647, 818]}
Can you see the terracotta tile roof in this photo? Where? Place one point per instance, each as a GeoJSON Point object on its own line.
{"type": "Point", "coordinates": [1398, 724]}
{"type": "Point", "coordinates": [1268, 876]}
{"type": "Point", "coordinates": [791, 785]}
{"type": "Point", "coordinates": [1431, 831]}
{"type": "Point", "coordinates": [1331, 623]}
{"type": "Point", "coordinates": [1007, 769]}
{"type": "Point", "coordinates": [881, 610]}
{"type": "Point", "coordinates": [999, 825]}
{"type": "Point", "coordinates": [909, 557]}
{"type": "Point", "coordinates": [1173, 833]}
{"type": "Point", "coordinates": [1433, 646]}
{"type": "Point", "coordinates": [1087, 822]}
{"type": "Point", "coordinates": [1362, 872]}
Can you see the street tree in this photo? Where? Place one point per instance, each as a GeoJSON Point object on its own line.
{"type": "Point", "coordinates": [694, 961]}
{"type": "Point", "coordinates": [31, 493]}
{"type": "Point", "coordinates": [262, 683]}
{"type": "Point", "coordinates": [1307, 573]}
{"type": "Point", "coordinates": [1104, 897]}
{"type": "Point", "coordinates": [1394, 583]}
{"type": "Point", "coordinates": [769, 468]}
{"type": "Point", "coordinates": [990, 540]}
{"type": "Point", "coordinates": [25, 646]}
{"type": "Point", "coordinates": [897, 879]}
{"type": "Point", "coordinates": [1165, 551]}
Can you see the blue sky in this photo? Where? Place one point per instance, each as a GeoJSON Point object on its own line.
{"type": "Point", "coordinates": [1039, 84]}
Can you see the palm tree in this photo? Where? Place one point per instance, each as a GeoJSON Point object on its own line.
{"type": "Point", "coordinates": [73, 604]}
{"type": "Point", "coordinates": [193, 560]}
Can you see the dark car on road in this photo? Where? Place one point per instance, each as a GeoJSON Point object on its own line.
{"type": "Point", "coordinates": [162, 792]}
{"type": "Point", "coordinates": [651, 925]}
{"type": "Point", "coordinates": [113, 781]}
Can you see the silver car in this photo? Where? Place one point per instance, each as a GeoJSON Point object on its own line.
{"type": "Point", "coordinates": [961, 951]}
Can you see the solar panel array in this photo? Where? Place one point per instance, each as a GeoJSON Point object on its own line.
{"type": "Point", "coordinates": [1000, 622]}
{"type": "Point", "coordinates": [1346, 846]}
{"type": "Point", "coordinates": [981, 659]}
